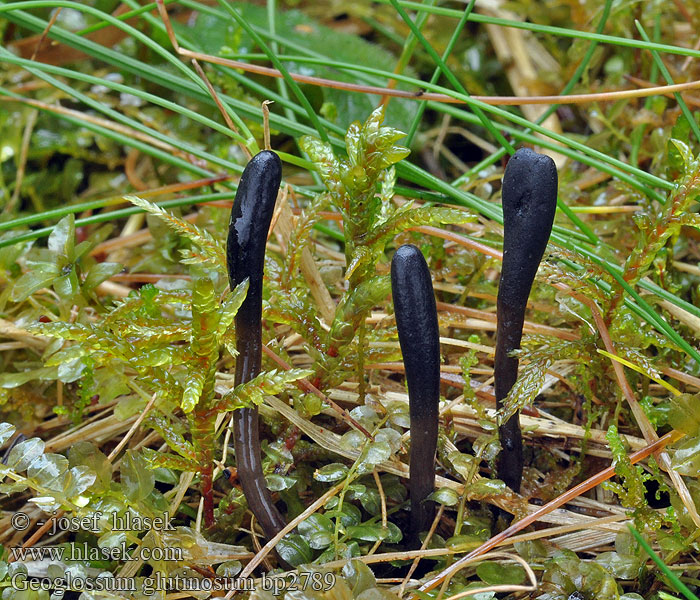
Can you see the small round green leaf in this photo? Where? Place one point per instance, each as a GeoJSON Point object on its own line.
{"type": "Point", "coordinates": [6, 432]}
{"type": "Point", "coordinates": [294, 549]}
{"type": "Point", "coordinates": [47, 469]}
{"type": "Point", "coordinates": [359, 577]}
{"type": "Point", "coordinates": [331, 472]}
{"type": "Point", "coordinates": [368, 533]}
{"type": "Point", "coordinates": [485, 488]}
{"type": "Point", "coordinates": [230, 568]}
{"type": "Point", "coordinates": [277, 483]}
{"type": "Point", "coordinates": [25, 453]}
{"type": "Point", "coordinates": [445, 496]}
{"type": "Point", "coordinates": [378, 452]}
{"type": "Point", "coordinates": [314, 523]}
{"type": "Point", "coordinates": [495, 573]}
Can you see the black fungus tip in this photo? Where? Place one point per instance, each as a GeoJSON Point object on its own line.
{"type": "Point", "coordinates": [530, 196]}
{"type": "Point", "coordinates": [529, 204]}
{"type": "Point", "coordinates": [250, 217]}
{"type": "Point", "coordinates": [416, 321]}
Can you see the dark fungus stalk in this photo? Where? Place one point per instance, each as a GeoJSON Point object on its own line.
{"type": "Point", "coordinates": [529, 202]}
{"type": "Point", "coordinates": [419, 337]}
{"type": "Point", "coordinates": [245, 256]}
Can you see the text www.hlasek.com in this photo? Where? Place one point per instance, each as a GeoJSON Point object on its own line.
{"type": "Point", "coordinates": [85, 552]}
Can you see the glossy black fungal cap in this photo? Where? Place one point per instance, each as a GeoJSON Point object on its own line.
{"type": "Point", "coordinates": [419, 337]}
{"type": "Point", "coordinates": [245, 248]}
{"type": "Point", "coordinates": [417, 323]}
{"type": "Point", "coordinates": [529, 203]}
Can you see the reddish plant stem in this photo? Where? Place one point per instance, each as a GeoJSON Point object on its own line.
{"type": "Point", "coordinates": [208, 495]}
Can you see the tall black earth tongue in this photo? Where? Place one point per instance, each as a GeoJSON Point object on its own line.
{"type": "Point", "coordinates": [419, 337]}
{"type": "Point", "coordinates": [529, 203]}
{"type": "Point", "coordinates": [245, 256]}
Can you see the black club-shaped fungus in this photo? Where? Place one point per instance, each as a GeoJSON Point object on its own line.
{"type": "Point", "coordinates": [529, 203]}
{"type": "Point", "coordinates": [419, 337]}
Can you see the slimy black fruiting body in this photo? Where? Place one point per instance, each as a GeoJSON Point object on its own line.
{"type": "Point", "coordinates": [245, 257]}
{"type": "Point", "coordinates": [419, 337]}
{"type": "Point", "coordinates": [529, 203]}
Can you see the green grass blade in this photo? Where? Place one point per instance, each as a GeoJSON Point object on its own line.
{"type": "Point", "coordinates": [119, 87]}
{"type": "Point", "coordinates": [123, 17]}
{"type": "Point", "coordinates": [117, 214]}
{"type": "Point", "coordinates": [296, 90]}
{"type": "Point", "coordinates": [496, 156]}
{"type": "Point", "coordinates": [669, 80]}
{"type": "Point", "coordinates": [679, 586]}
{"type": "Point", "coordinates": [436, 74]}
{"type": "Point", "coordinates": [451, 78]}
{"type": "Point", "coordinates": [550, 29]}
{"type": "Point", "coordinates": [575, 150]}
